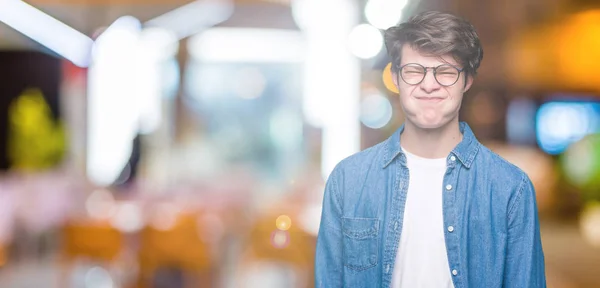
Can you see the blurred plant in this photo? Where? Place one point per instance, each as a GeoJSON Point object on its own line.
{"type": "Point", "coordinates": [581, 165]}
{"type": "Point", "coordinates": [35, 141]}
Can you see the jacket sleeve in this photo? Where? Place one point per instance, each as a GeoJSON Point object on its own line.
{"type": "Point", "coordinates": [524, 266]}
{"type": "Point", "coordinates": [328, 258]}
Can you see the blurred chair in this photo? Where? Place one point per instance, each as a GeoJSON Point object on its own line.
{"type": "Point", "coordinates": [278, 252]}
{"type": "Point", "coordinates": [96, 241]}
{"type": "Point", "coordinates": [178, 248]}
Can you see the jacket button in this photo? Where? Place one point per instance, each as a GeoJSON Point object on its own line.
{"type": "Point", "coordinates": [450, 229]}
{"type": "Point", "coordinates": [453, 158]}
{"type": "Point", "coordinates": [448, 187]}
{"type": "Point", "coordinates": [454, 272]}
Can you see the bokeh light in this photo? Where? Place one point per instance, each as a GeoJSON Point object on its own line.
{"type": "Point", "coordinates": [365, 41]}
{"type": "Point", "coordinates": [128, 218]}
{"type": "Point", "coordinates": [280, 239]}
{"type": "Point", "coordinates": [321, 15]}
{"type": "Point", "coordinates": [164, 216]}
{"type": "Point", "coordinates": [98, 277]}
{"type": "Point", "coordinates": [100, 204]}
{"type": "Point", "coordinates": [283, 222]}
{"type": "Point", "coordinates": [384, 13]}
{"type": "Point", "coordinates": [375, 111]}
{"type": "Point", "coordinates": [559, 124]}
{"type": "Point", "coordinates": [388, 80]}
{"type": "Point", "coordinates": [578, 50]}
{"type": "Point", "coordinates": [581, 163]}
{"type": "Point", "coordinates": [590, 223]}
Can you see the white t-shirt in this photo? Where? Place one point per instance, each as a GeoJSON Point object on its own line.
{"type": "Point", "coordinates": [422, 261]}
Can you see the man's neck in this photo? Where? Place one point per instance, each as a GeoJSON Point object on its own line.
{"type": "Point", "coordinates": [431, 143]}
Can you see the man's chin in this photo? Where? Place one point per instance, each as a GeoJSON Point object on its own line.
{"type": "Point", "coordinates": [430, 125]}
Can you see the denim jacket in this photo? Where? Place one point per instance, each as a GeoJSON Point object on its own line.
{"type": "Point", "coordinates": [491, 225]}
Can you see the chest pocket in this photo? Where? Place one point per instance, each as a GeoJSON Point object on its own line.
{"type": "Point", "coordinates": [361, 238]}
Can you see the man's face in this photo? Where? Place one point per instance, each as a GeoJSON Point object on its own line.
{"type": "Point", "coordinates": [429, 105]}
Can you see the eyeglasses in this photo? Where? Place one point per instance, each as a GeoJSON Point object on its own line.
{"type": "Point", "coordinates": [445, 74]}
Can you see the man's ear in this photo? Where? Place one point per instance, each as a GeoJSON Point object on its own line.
{"type": "Point", "coordinates": [395, 79]}
{"type": "Point", "coordinates": [468, 83]}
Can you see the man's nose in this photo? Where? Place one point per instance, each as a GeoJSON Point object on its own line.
{"type": "Point", "coordinates": [429, 84]}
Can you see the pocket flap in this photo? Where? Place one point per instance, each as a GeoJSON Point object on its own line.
{"type": "Point", "coordinates": [360, 228]}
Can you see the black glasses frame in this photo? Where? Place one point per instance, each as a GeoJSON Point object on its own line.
{"type": "Point", "coordinates": [426, 69]}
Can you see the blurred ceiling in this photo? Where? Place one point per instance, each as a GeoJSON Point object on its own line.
{"type": "Point", "coordinates": [494, 19]}
{"type": "Point", "coordinates": [87, 16]}
{"type": "Point", "coordinates": [497, 22]}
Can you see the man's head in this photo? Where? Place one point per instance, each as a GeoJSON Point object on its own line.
{"type": "Point", "coordinates": [434, 56]}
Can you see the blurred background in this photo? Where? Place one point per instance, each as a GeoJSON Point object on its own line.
{"type": "Point", "coordinates": [186, 143]}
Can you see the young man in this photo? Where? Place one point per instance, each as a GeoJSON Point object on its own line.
{"type": "Point", "coordinates": [430, 206]}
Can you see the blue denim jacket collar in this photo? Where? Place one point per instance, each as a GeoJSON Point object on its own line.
{"type": "Point", "coordinates": [465, 151]}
